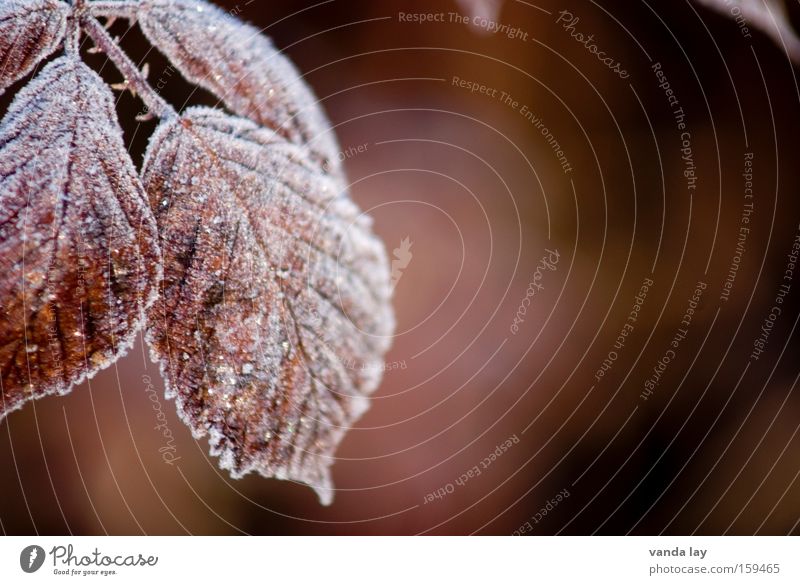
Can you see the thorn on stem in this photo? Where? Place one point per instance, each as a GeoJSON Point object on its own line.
{"type": "Point", "coordinates": [126, 84]}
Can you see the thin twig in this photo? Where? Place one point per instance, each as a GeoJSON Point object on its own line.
{"type": "Point", "coordinates": [134, 78]}
{"type": "Point", "coordinates": [127, 9]}
{"type": "Point", "coordinates": [72, 38]}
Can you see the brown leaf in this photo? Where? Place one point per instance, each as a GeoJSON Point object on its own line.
{"type": "Point", "coordinates": [78, 262]}
{"type": "Point", "coordinates": [30, 30]}
{"type": "Point", "coordinates": [241, 67]}
{"type": "Point", "coordinates": [275, 313]}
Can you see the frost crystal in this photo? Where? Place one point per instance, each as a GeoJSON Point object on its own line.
{"type": "Point", "coordinates": [242, 68]}
{"type": "Point", "coordinates": [30, 30]}
{"type": "Point", "coordinates": [266, 293]}
{"type": "Point", "coordinates": [78, 254]}
{"type": "Point", "coordinates": [274, 285]}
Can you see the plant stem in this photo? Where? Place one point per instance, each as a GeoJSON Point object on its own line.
{"type": "Point", "coordinates": [133, 76]}
{"type": "Point", "coordinates": [72, 37]}
{"type": "Point", "coordinates": [126, 9]}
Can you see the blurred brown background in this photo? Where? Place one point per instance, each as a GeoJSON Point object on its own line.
{"type": "Point", "coordinates": [481, 194]}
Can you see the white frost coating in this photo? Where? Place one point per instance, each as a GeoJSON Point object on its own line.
{"type": "Point", "coordinates": [242, 68]}
{"type": "Point", "coordinates": [269, 264]}
{"type": "Point", "coordinates": [275, 314]}
{"type": "Point", "coordinates": [30, 30]}
{"type": "Point", "coordinates": [78, 256]}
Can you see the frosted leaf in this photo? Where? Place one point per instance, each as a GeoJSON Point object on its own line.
{"type": "Point", "coordinates": [275, 310]}
{"type": "Point", "coordinates": [768, 16]}
{"type": "Point", "coordinates": [242, 68]}
{"type": "Point", "coordinates": [78, 262]}
{"type": "Point", "coordinates": [30, 30]}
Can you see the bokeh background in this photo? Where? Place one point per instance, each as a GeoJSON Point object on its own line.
{"type": "Point", "coordinates": [478, 189]}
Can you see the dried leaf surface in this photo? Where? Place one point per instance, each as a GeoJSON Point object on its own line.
{"type": "Point", "coordinates": [241, 67]}
{"type": "Point", "coordinates": [30, 30]}
{"type": "Point", "coordinates": [275, 311]}
{"type": "Point", "coordinates": [78, 256]}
